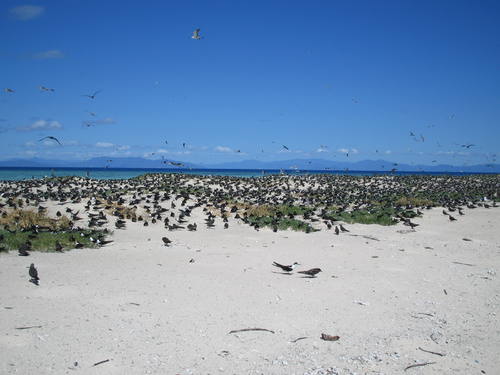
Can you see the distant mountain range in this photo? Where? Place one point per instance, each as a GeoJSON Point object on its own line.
{"type": "Point", "coordinates": [301, 164]}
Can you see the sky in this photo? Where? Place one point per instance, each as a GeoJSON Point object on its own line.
{"type": "Point", "coordinates": [335, 80]}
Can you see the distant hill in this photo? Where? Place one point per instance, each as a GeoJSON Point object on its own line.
{"type": "Point", "coordinates": [301, 164]}
{"type": "Point", "coordinates": [364, 165]}
{"type": "Point", "coordinates": [99, 162]}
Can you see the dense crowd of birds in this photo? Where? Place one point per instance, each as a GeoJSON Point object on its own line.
{"type": "Point", "coordinates": [317, 201]}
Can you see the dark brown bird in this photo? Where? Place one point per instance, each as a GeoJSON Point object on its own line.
{"type": "Point", "coordinates": [166, 241]}
{"type": "Point", "coordinates": [33, 274]}
{"type": "Point", "coordinates": [59, 247]}
{"type": "Point", "coordinates": [312, 272]}
{"type": "Point", "coordinates": [23, 250]}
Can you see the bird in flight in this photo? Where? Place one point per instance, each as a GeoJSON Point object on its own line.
{"type": "Point", "coordinates": [175, 164]}
{"type": "Point", "coordinates": [196, 34]}
{"type": "Point", "coordinates": [468, 145]}
{"type": "Point", "coordinates": [43, 88]}
{"type": "Point", "coordinates": [93, 95]}
{"type": "Point", "coordinates": [8, 90]}
{"type": "Point", "coordinates": [286, 148]}
{"type": "Point", "coordinates": [50, 137]}
{"type": "Point", "coordinates": [91, 113]}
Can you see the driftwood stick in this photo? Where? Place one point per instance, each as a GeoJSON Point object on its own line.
{"type": "Point", "coordinates": [250, 329]}
{"type": "Point", "coordinates": [100, 362]}
{"type": "Point", "coordinates": [419, 364]}
{"type": "Point", "coordinates": [298, 339]}
{"type": "Point", "coordinates": [428, 351]}
{"type": "Point", "coordinates": [464, 264]}
{"type": "Point", "coordinates": [29, 327]}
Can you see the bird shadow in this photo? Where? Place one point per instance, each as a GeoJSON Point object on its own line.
{"type": "Point", "coordinates": [282, 273]}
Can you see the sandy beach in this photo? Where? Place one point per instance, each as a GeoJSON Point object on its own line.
{"type": "Point", "coordinates": [395, 296]}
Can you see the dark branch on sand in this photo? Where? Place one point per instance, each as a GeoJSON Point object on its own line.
{"type": "Point", "coordinates": [250, 329]}
{"type": "Point", "coordinates": [435, 353]}
{"type": "Point", "coordinates": [419, 364]}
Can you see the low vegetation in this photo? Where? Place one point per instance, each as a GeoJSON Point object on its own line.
{"type": "Point", "coordinates": [18, 226]}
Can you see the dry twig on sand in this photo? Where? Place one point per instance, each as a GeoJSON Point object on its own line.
{"type": "Point", "coordinates": [298, 339]}
{"type": "Point", "coordinates": [419, 364]}
{"type": "Point", "coordinates": [29, 327]}
{"type": "Point", "coordinates": [250, 329]}
{"type": "Point", "coordinates": [428, 351]}
{"type": "Point", "coordinates": [100, 362]}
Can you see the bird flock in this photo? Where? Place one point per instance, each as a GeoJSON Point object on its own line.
{"type": "Point", "coordinates": [196, 35]}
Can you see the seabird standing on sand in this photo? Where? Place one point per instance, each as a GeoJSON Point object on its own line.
{"type": "Point", "coordinates": [286, 268]}
{"type": "Point", "coordinates": [312, 272]}
{"type": "Point", "coordinates": [33, 274]}
{"type": "Point", "coordinates": [166, 241]}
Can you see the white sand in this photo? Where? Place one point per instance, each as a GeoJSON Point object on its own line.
{"type": "Point", "coordinates": [148, 310]}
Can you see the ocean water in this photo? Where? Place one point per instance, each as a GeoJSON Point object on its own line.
{"type": "Point", "coordinates": [24, 173]}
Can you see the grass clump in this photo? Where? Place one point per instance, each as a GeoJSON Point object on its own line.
{"type": "Point", "coordinates": [26, 219]}
{"type": "Point", "coordinates": [414, 201]}
{"type": "Point", "coordinates": [280, 223]}
{"type": "Point", "coordinates": [383, 217]}
{"type": "Point", "coordinates": [46, 241]}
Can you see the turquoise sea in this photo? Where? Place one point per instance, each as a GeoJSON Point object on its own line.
{"type": "Point", "coordinates": [22, 173]}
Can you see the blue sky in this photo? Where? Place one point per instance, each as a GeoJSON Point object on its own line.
{"type": "Point", "coordinates": [354, 76]}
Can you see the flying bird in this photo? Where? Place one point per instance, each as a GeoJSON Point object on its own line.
{"type": "Point", "coordinates": [196, 34]}
{"type": "Point", "coordinates": [93, 95]}
{"type": "Point", "coordinates": [286, 148]}
{"type": "Point", "coordinates": [43, 88]}
{"type": "Point", "coordinates": [468, 145]}
{"type": "Point", "coordinates": [175, 164]}
{"type": "Point", "coordinates": [50, 137]}
{"type": "Point", "coordinates": [91, 113]}
{"type": "Point", "coordinates": [8, 90]}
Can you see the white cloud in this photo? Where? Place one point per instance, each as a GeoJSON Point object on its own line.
{"type": "Point", "coordinates": [321, 150]}
{"type": "Point", "coordinates": [123, 148]}
{"type": "Point", "coordinates": [388, 152]}
{"type": "Point", "coordinates": [41, 125]}
{"type": "Point", "coordinates": [29, 144]}
{"type": "Point", "coordinates": [346, 150]}
{"type": "Point", "coordinates": [223, 149]}
{"type": "Point", "coordinates": [26, 12]}
{"type": "Point", "coordinates": [104, 144]}
{"type": "Point", "coordinates": [50, 54]}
